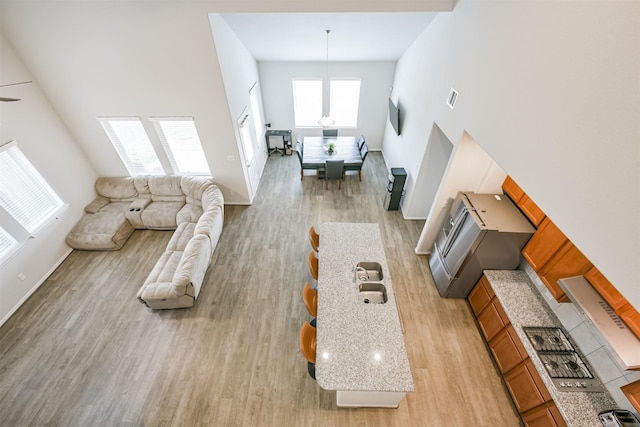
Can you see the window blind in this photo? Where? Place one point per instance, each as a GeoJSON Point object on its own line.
{"type": "Point", "coordinates": [132, 144]}
{"type": "Point", "coordinates": [24, 194]}
{"type": "Point", "coordinates": [182, 145]}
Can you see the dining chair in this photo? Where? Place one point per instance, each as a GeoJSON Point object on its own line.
{"type": "Point", "coordinates": [313, 264]}
{"type": "Point", "coordinates": [360, 142]}
{"type": "Point", "coordinates": [329, 132]}
{"type": "Point", "coordinates": [364, 152]}
{"type": "Point", "coordinates": [314, 239]}
{"type": "Point", "coordinates": [308, 347]}
{"type": "Point", "coordinates": [333, 169]}
{"type": "Point", "coordinates": [310, 297]}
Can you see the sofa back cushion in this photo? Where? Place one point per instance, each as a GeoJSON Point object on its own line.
{"type": "Point", "coordinates": [141, 183]}
{"type": "Point", "coordinates": [166, 188]}
{"type": "Point", "coordinates": [212, 196]}
{"type": "Point", "coordinates": [193, 265]}
{"type": "Point", "coordinates": [193, 187]}
{"type": "Point", "coordinates": [116, 188]}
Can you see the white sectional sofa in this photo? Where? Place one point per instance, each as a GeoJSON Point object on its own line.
{"type": "Point", "coordinates": [192, 206]}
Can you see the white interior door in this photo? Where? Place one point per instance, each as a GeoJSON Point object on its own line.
{"type": "Point", "coordinates": [249, 149]}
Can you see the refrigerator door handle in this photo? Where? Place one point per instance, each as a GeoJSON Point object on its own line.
{"type": "Point", "coordinates": [453, 234]}
{"type": "Point", "coordinates": [441, 259]}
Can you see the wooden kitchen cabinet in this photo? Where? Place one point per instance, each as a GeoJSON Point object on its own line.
{"type": "Point", "coordinates": [524, 203]}
{"type": "Point", "coordinates": [632, 391]}
{"type": "Point", "coordinates": [631, 317]}
{"type": "Point", "coordinates": [546, 415]}
{"type": "Point", "coordinates": [567, 262]}
{"type": "Point", "coordinates": [605, 288]}
{"type": "Point", "coordinates": [531, 210]}
{"type": "Point", "coordinates": [615, 299]}
{"type": "Point", "coordinates": [544, 244]}
{"type": "Point", "coordinates": [492, 319]}
{"type": "Point", "coordinates": [481, 295]}
{"type": "Point", "coordinates": [507, 349]}
{"type": "Point", "coordinates": [526, 387]}
{"type": "Point", "coordinates": [512, 190]}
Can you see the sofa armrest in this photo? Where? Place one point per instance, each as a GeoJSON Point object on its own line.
{"type": "Point", "coordinates": [97, 204]}
{"type": "Point", "coordinates": [140, 203]}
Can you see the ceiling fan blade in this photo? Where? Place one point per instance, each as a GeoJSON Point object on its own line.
{"type": "Point", "coordinates": [8, 99]}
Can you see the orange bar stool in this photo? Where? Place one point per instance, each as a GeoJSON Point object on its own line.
{"type": "Point", "coordinates": [308, 347]}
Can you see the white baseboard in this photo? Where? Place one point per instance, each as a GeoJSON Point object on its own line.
{"type": "Point", "coordinates": [35, 288]}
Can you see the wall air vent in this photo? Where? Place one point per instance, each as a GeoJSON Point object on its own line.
{"type": "Point", "coordinates": [453, 97]}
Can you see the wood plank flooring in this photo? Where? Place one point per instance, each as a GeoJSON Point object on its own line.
{"type": "Point", "coordinates": [82, 351]}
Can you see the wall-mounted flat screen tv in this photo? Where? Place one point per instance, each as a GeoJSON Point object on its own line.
{"type": "Point", "coordinates": [394, 116]}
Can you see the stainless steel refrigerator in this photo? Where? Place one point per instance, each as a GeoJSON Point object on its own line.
{"type": "Point", "coordinates": [482, 232]}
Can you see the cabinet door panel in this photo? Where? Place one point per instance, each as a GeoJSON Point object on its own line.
{"type": "Point", "coordinates": [480, 297]}
{"type": "Point", "coordinates": [505, 350]}
{"type": "Point", "coordinates": [523, 387]}
{"type": "Point", "coordinates": [543, 244]}
{"type": "Point", "coordinates": [567, 262]}
{"type": "Point", "coordinates": [631, 317]}
{"type": "Point", "coordinates": [605, 288]}
{"type": "Point", "coordinates": [512, 190]}
{"type": "Point", "coordinates": [544, 416]}
{"type": "Point", "coordinates": [490, 321]}
{"type": "Point", "coordinates": [531, 210]}
{"type": "Point", "coordinates": [632, 391]}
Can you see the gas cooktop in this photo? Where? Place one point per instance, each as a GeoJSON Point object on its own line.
{"type": "Point", "coordinates": [564, 365]}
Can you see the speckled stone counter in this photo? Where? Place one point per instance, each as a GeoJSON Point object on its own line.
{"type": "Point", "coordinates": [360, 347]}
{"type": "Point", "coordinates": [525, 307]}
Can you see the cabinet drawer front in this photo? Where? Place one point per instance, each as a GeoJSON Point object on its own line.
{"type": "Point", "coordinates": [490, 320]}
{"type": "Point", "coordinates": [480, 296]}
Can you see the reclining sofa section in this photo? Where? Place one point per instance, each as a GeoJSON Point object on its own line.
{"type": "Point", "coordinates": [192, 206]}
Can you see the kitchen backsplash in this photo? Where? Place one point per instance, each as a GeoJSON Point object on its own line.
{"type": "Point", "coordinates": [586, 336]}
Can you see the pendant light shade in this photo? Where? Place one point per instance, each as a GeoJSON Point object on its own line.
{"type": "Point", "coordinates": [326, 120]}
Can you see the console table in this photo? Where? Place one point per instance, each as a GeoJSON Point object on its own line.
{"type": "Point", "coordinates": [286, 140]}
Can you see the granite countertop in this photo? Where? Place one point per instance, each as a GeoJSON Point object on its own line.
{"type": "Point", "coordinates": [360, 347]}
{"type": "Point", "coordinates": [525, 307]}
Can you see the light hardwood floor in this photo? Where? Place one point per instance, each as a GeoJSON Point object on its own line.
{"type": "Point", "coordinates": [82, 351]}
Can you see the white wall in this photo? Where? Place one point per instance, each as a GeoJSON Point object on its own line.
{"type": "Point", "coordinates": [239, 72]}
{"type": "Point", "coordinates": [550, 90]}
{"type": "Point", "coordinates": [130, 59]}
{"type": "Point", "coordinates": [46, 142]}
{"type": "Point", "coordinates": [376, 79]}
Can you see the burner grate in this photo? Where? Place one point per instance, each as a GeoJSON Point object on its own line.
{"type": "Point", "coordinates": [548, 339]}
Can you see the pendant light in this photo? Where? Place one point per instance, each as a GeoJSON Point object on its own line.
{"type": "Point", "coordinates": [326, 120]}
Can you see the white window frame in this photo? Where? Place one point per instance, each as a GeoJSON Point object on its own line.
{"type": "Point", "coordinates": [29, 193]}
{"type": "Point", "coordinates": [143, 145]}
{"type": "Point", "coordinates": [307, 110]}
{"type": "Point", "coordinates": [256, 111]}
{"type": "Point", "coordinates": [344, 110]}
{"type": "Point", "coordinates": [175, 149]}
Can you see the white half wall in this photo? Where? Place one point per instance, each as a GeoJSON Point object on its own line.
{"type": "Point", "coordinates": [550, 91]}
{"type": "Point", "coordinates": [376, 80]}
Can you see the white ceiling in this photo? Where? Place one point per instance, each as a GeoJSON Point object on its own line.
{"type": "Point", "coordinates": [353, 37]}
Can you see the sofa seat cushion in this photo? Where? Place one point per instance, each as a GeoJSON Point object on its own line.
{"type": "Point", "coordinates": [181, 237]}
{"type": "Point", "coordinates": [189, 213]}
{"type": "Point", "coordinates": [102, 231]}
{"type": "Point", "coordinates": [161, 215]}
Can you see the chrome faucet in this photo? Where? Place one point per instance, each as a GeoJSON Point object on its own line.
{"type": "Point", "coordinates": [364, 276]}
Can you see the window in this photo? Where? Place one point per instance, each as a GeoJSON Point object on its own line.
{"type": "Point", "coordinates": [345, 100]}
{"type": "Point", "coordinates": [182, 145]}
{"type": "Point", "coordinates": [307, 102]}
{"type": "Point", "coordinates": [24, 194]}
{"type": "Point", "coordinates": [132, 144]}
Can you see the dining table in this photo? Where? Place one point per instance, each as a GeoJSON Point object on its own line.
{"type": "Point", "coordinates": [315, 151]}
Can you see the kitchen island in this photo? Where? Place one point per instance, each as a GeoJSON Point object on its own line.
{"type": "Point", "coordinates": [524, 306]}
{"type": "Point", "coordinates": [360, 350]}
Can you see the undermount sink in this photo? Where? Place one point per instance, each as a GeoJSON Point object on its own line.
{"type": "Point", "coordinates": [371, 271]}
{"type": "Point", "coordinates": [372, 293]}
